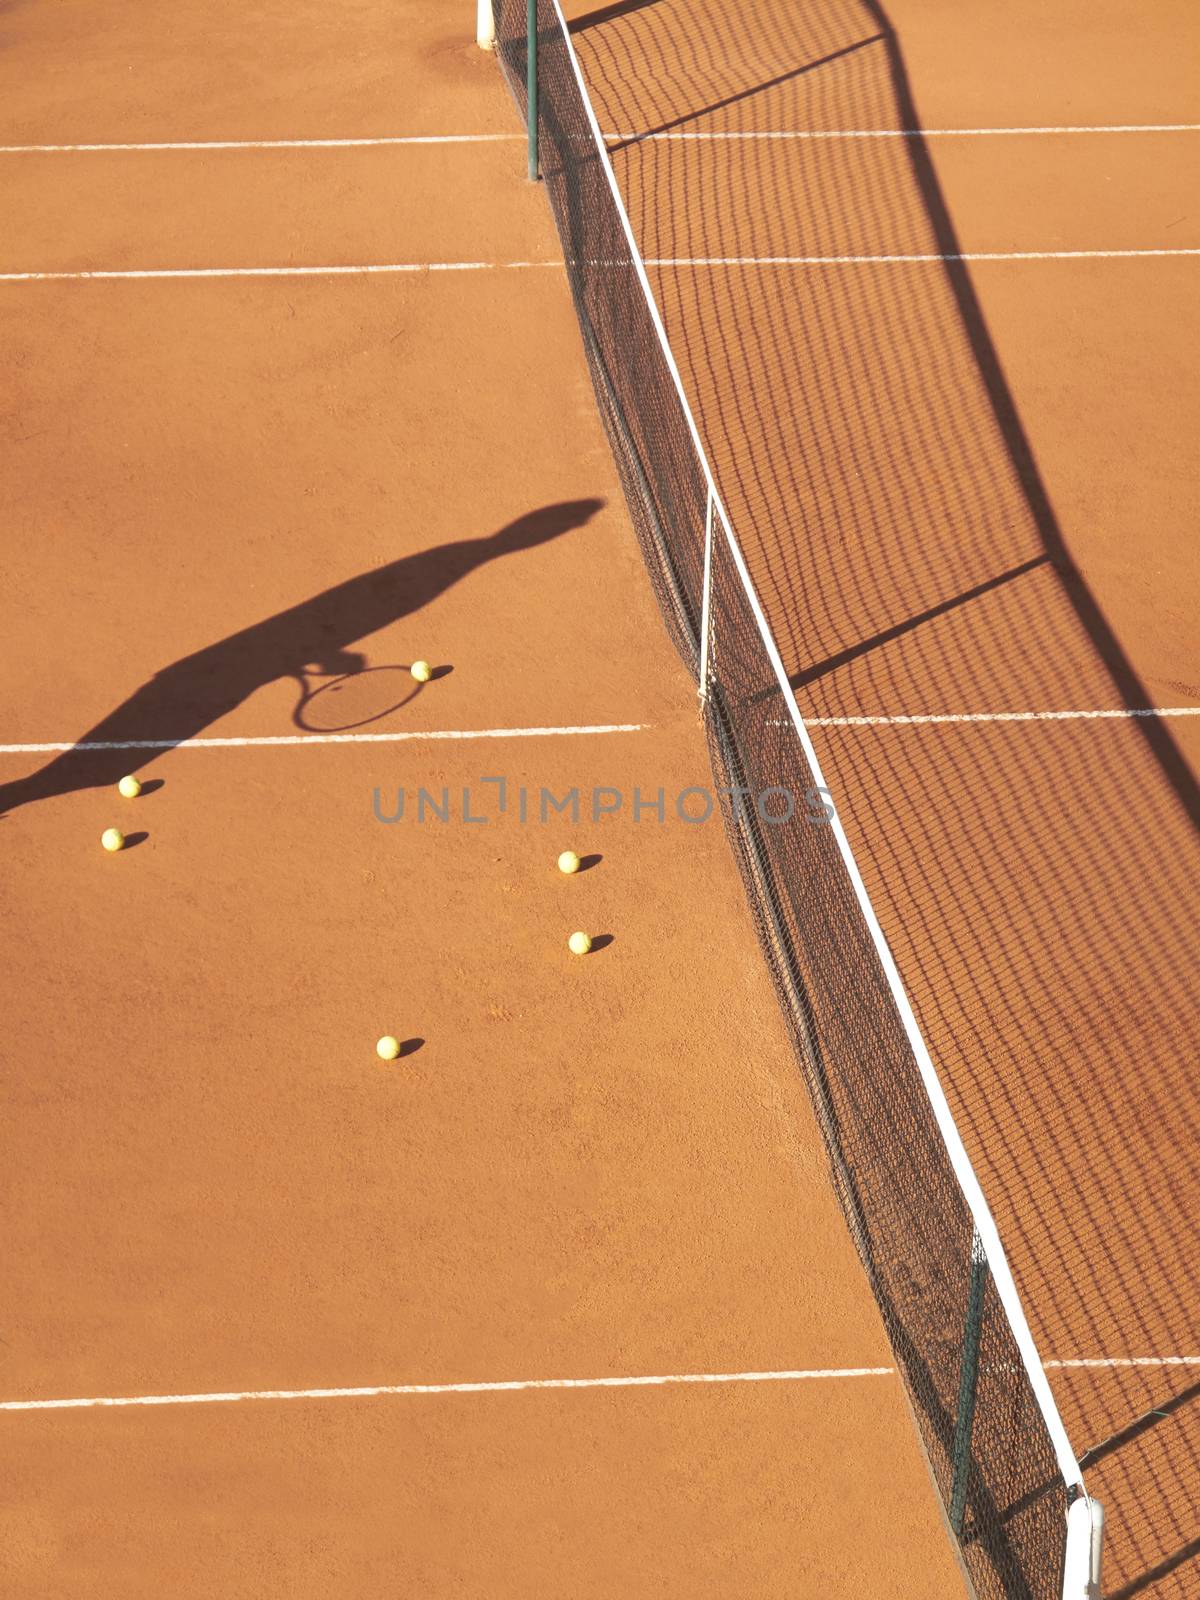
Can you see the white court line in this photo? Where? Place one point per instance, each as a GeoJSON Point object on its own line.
{"type": "Point", "coordinates": [389, 267]}
{"type": "Point", "coordinates": [325, 738]}
{"type": "Point", "coordinates": [964, 255]}
{"type": "Point", "coordinates": [1130, 1361]}
{"type": "Point", "coordinates": [266, 144]}
{"type": "Point", "coordinates": [280, 272]}
{"type": "Point", "coordinates": [446, 1388]}
{"type": "Point", "coordinates": [376, 1391]}
{"type": "Point", "coordinates": [904, 133]}
{"type": "Point", "coordinates": [386, 140]}
{"type": "Point", "coordinates": [1001, 716]}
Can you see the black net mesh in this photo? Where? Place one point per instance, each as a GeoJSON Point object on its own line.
{"type": "Point", "coordinates": [663, 481]}
{"type": "Point", "coordinates": [891, 1170]}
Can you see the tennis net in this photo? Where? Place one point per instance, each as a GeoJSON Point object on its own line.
{"type": "Point", "coordinates": [996, 1447]}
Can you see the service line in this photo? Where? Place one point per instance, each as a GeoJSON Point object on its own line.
{"type": "Point", "coordinates": [916, 258]}
{"type": "Point", "coordinates": [378, 1390]}
{"type": "Point", "coordinates": [510, 1386]}
{"type": "Point", "coordinates": [263, 144]}
{"type": "Point", "coordinates": [385, 268]}
{"type": "Point", "coordinates": [384, 141]}
{"type": "Point", "coordinates": [734, 134]}
{"type": "Point", "coordinates": [1126, 1361]}
{"type": "Point", "coordinates": [1002, 716]}
{"type": "Point", "coordinates": [325, 738]}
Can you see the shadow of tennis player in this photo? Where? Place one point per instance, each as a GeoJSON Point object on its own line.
{"type": "Point", "coordinates": [192, 693]}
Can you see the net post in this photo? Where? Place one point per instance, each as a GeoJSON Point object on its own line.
{"type": "Point", "coordinates": [1096, 1546]}
{"type": "Point", "coordinates": [485, 25]}
{"type": "Point", "coordinates": [706, 601]}
{"type": "Point", "coordinates": [1085, 1539]}
{"type": "Point", "coordinates": [968, 1384]}
{"type": "Point", "coordinates": [531, 83]}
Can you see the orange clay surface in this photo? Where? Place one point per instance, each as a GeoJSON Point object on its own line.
{"type": "Point", "coordinates": [970, 487]}
{"type": "Point", "coordinates": [578, 1168]}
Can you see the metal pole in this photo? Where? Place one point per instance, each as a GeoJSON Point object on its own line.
{"type": "Point", "coordinates": [1097, 1549]}
{"type": "Point", "coordinates": [531, 84]}
{"type": "Point", "coordinates": [1085, 1542]}
{"type": "Point", "coordinates": [968, 1384]}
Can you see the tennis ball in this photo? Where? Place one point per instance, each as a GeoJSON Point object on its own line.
{"type": "Point", "coordinates": [112, 839]}
{"type": "Point", "coordinates": [130, 787]}
{"type": "Point", "coordinates": [568, 861]}
{"type": "Point", "coordinates": [421, 671]}
{"type": "Point", "coordinates": [580, 943]}
{"type": "Point", "coordinates": [388, 1048]}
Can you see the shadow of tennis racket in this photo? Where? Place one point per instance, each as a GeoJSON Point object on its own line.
{"type": "Point", "coordinates": [355, 699]}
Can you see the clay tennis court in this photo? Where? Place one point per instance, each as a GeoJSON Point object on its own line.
{"type": "Point", "coordinates": [377, 1322]}
{"type": "Point", "coordinates": [217, 1198]}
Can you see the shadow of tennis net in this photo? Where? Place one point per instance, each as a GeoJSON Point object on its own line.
{"type": "Point", "coordinates": [1034, 879]}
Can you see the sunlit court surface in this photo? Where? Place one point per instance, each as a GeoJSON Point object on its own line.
{"type": "Point", "coordinates": [820, 1221]}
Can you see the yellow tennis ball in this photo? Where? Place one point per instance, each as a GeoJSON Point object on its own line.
{"type": "Point", "coordinates": [112, 839]}
{"type": "Point", "coordinates": [568, 861]}
{"type": "Point", "coordinates": [580, 943]}
{"type": "Point", "coordinates": [421, 671]}
{"type": "Point", "coordinates": [388, 1048]}
{"type": "Point", "coordinates": [130, 787]}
